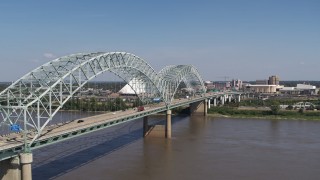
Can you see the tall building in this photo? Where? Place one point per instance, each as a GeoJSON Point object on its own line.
{"type": "Point", "coordinates": [236, 84]}
{"type": "Point", "coordinates": [209, 85]}
{"type": "Point", "coordinates": [274, 80]}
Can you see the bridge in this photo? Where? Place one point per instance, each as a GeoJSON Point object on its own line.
{"type": "Point", "coordinates": [29, 104]}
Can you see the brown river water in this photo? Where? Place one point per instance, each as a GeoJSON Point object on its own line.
{"type": "Point", "coordinates": [201, 148]}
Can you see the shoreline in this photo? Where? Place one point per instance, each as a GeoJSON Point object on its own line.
{"type": "Point", "coordinates": [263, 117]}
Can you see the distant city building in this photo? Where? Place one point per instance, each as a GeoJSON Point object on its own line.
{"type": "Point", "coordinates": [209, 85]}
{"type": "Point", "coordinates": [274, 80]}
{"type": "Point", "coordinates": [228, 85]}
{"type": "Point", "coordinates": [263, 88]}
{"type": "Point", "coordinates": [138, 86]}
{"type": "Point", "coordinates": [236, 84]}
{"type": "Point", "coordinates": [92, 91]}
{"type": "Point", "coordinates": [262, 82]}
{"type": "Point", "coordinates": [305, 87]}
{"type": "Point", "coordinates": [300, 89]}
{"type": "Point", "coordinates": [221, 85]}
{"type": "Point", "coordinates": [289, 90]}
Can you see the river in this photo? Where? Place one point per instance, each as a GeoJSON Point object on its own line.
{"type": "Point", "coordinates": [201, 148]}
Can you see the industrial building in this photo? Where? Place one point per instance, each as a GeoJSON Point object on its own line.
{"type": "Point", "coordinates": [300, 89]}
{"type": "Point", "coordinates": [262, 88]}
{"type": "Point", "coordinates": [265, 86]}
{"type": "Point", "coordinates": [274, 80]}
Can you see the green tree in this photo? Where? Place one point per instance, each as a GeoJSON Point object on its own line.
{"type": "Point", "coordinates": [120, 104]}
{"type": "Point", "coordinates": [93, 104]}
{"type": "Point", "coordinates": [290, 107]}
{"type": "Point", "coordinates": [137, 103]}
{"type": "Point", "coordinates": [275, 108]}
{"type": "Point", "coordinates": [301, 111]}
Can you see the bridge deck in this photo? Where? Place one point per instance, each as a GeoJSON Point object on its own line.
{"type": "Point", "coordinates": [12, 144]}
{"type": "Point", "coordinates": [15, 139]}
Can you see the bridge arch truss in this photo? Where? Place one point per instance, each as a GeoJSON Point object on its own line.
{"type": "Point", "coordinates": [33, 100]}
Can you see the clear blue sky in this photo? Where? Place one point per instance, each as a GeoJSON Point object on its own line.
{"type": "Point", "coordinates": [246, 39]}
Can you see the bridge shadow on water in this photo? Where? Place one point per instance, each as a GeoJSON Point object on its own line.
{"type": "Point", "coordinates": [66, 164]}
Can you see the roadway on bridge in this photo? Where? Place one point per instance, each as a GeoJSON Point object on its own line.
{"type": "Point", "coordinates": [16, 139]}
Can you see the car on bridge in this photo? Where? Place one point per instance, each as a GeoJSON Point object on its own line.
{"type": "Point", "coordinates": [140, 108]}
{"type": "Point", "coordinates": [156, 100]}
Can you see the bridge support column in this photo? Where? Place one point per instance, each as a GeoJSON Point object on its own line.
{"type": "Point", "coordinates": [222, 100]}
{"type": "Point", "coordinates": [214, 102]}
{"type": "Point", "coordinates": [145, 126]}
{"type": "Point", "coordinates": [205, 107]}
{"type": "Point", "coordinates": [26, 160]}
{"type": "Point", "coordinates": [199, 108]}
{"type": "Point", "coordinates": [239, 98]}
{"type": "Point", "coordinates": [168, 124]}
{"type": "Point", "coordinates": [209, 103]}
{"type": "Point", "coordinates": [10, 169]}
{"type": "Point", "coordinates": [230, 98]}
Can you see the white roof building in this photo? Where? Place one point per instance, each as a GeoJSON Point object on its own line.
{"type": "Point", "coordinates": [305, 87]}
{"type": "Point", "coordinates": [136, 84]}
{"type": "Point", "coordinates": [287, 89]}
{"type": "Point", "coordinates": [300, 89]}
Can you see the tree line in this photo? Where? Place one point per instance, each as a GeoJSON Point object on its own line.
{"type": "Point", "coordinates": [93, 104]}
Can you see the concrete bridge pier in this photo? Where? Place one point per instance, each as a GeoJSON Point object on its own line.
{"type": "Point", "coordinates": [145, 126]}
{"type": "Point", "coordinates": [168, 124]}
{"type": "Point", "coordinates": [17, 168]}
{"type": "Point", "coordinates": [222, 100]}
{"type": "Point", "coordinates": [26, 160]}
{"type": "Point", "coordinates": [209, 103]}
{"type": "Point", "coordinates": [10, 169]}
{"type": "Point", "coordinates": [205, 107]}
{"type": "Point", "coordinates": [199, 108]}
{"type": "Point", "coordinates": [159, 131]}
{"type": "Point", "coordinates": [239, 98]}
{"type": "Point", "coordinates": [214, 102]}
{"type": "Point", "coordinates": [230, 98]}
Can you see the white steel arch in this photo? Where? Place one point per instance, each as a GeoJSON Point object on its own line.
{"type": "Point", "coordinates": [176, 74]}
{"type": "Point", "coordinates": [34, 99]}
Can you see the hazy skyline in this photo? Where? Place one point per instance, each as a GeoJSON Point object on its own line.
{"type": "Point", "coordinates": [246, 39]}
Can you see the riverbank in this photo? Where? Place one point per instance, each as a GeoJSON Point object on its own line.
{"type": "Point", "coordinates": [228, 112]}
{"type": "Point", "coordinates": [264, 117]}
